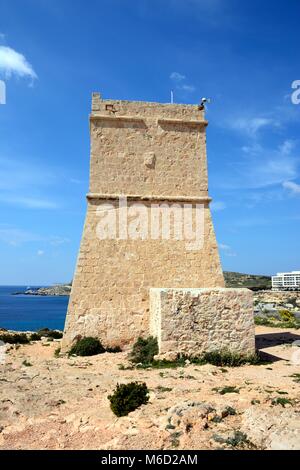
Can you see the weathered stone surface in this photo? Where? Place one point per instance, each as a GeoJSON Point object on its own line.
{"type": "Point", "coordinates": [191, 321]}
{"type": "Point", "coordinates": [151, 153]}
{"type": "Point", "coordinates": [273, 429]}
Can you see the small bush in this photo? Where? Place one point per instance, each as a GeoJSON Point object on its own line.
{"type": "Point", "coordinates": [255, 402]}
{"type": "Point", "coordinates": [144, 350]}
{"type": "Point", "coordinates": [57, 352]}
{"type": "Point", "coordinates": [18, 338]}
{"type": "Point", "coordinates": [128, 397]}
{"type": "Point", "coordinates": [294, 323]}
{"type": "Point", "coordinates": [26, 363]}
{"type": "Point", "coordinates": [35, 337]}
{"type": "Point", "coordinates": [282, 401]}
{"type": "Point", "coordinates": [229, 411]}
{"type": "Point", "coordinates": [238, 439]}
{"type": "Point", "coordinates": [87, 347]}
{"type": "Point", "coordinates": [296, 377]}
{"type": "Point", "coordinates": [230, 359]}
{"type": "Point", "coordinates": [115, 349]}
{"type": "Point", "coordinates": [286, 315]}
{"type": "Point", "coordinates": [54, 334]}
{"type": "Point", "coordinates": [227, 389]}
{"type": "Point", "coordinates": [261, 321]}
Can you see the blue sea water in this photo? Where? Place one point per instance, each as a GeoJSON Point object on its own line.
{"type": "Point", "coordinates": [30, 313]}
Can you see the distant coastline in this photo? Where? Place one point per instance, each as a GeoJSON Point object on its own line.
{"type": "Point", "coordinates": [57, 290]}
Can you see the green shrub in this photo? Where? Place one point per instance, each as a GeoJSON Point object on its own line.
{"type": "Point", "coordinates": [26, 363]}
{"type": "Point", "coordinates": [115, 349]}
{"type": "Point", "coordinates": [57, 352]}
{"type": "Point", "coordinates": [230, 359]}
{"type": "Point", "coordinates": [262, 321]}
{"type": "Point", "coordinates": [144, 350]}
{"type": "Point", "coordinates": [34, 337]}
{"type": "Point", "coordinates": [54, 334]}
{"type": "Point", "coordinates": [17, 338]}
{"type": "Point", "coordinates": [87, 347]}
{"type": "Point", "coordinates": [282, 401]}
{"type": "Point", "coordinates": [273, 322]}
{"type": "Point", "coordinates": [128, 397]}
{"type": "Point", "coordinates": [229, 411]}
{"type": "Point", "coordinates": [286, 315]}
{"type": "Point", "coordinates": [238, 439]}
{"type": "Point", "coordinates": [227, 389]}
{"type": "Point", "coordinates": [296, 377]}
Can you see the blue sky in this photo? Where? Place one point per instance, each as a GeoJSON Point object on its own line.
{"type": "Point", "coordinates": [55, 53]}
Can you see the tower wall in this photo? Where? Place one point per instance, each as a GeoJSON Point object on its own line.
{"type": "Point", "coordinates": [150, 154]}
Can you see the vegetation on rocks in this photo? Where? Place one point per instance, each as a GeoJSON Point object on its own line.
{"type": "Point", "coordinates": [128, 397]}
{"type": "Point", "coordinates": [272, 322]}
{"type": "Point", "coordinates": [88, 346]}
{"type": "Point", "coordinates": [282, 401]}
{"type": "Point", "coordinates": [34, 337]}
{"type": "Point", "coordinates": [237, 440]}
{"type": "Point", "coordinates": [250, 281]}
{"type": "Point", "coordinates": [16, 338]}
{"type": "Point", "coordinates": [286, 315]}
{"type": "Point", "coordinates": [144, 351]}
{"type": "Point", "coordinates": [227, 389]}
{"type": "Point", "coordinates": [230, 359]}
{"type": "Point", "coordinates": [54, 334]}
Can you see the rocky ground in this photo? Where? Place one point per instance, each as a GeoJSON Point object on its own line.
{"type": "Point", "coordinates": [49, 402]}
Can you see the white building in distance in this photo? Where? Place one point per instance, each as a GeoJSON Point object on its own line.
{"type": "Point", "coordinates": [286, 281]}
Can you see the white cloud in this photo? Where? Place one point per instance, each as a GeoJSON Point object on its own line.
{"type": "Point", "coordinates": [15, 236]}
{"type": "Point", "coordinates": [76, 181]}
{"type": "Point", "coordinates": [222, 246]}
{"type": "Point", "coordinates": [40, 253]}
{"type": "Point", "coordinates": [217, 206]}
{"type": "Point", "coordinates": [188, 88]}
{"type": "Point", "coordinates": [14, 63]}
{"type": "Point", "coordinates": [177, 77]}
{"type": "Point", "coordinates": [28, 202]}
{"type": "Point", "coordinates": [261, 167]}
{"type": "Point", "coordinates": [252, 126]}
{"type": "Point", "coordinates": [56, 241]}
{"type": "Point", "coordinates": [287, 147]}
{"type": "Point", "coordinates": [227, 249]}
{"type": "Point", "coordinates": [294, 188]}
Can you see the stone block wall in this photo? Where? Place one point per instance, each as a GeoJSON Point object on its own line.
{"type": "Point", "coordinates": [191, 321]}
{"type": "Point", "coordinates": [150, 153]}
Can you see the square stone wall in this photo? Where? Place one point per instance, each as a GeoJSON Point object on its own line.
{"type": "Point", "coordinates": [152, 154]}
{"type": "Point", "coordinates": [193, 321]}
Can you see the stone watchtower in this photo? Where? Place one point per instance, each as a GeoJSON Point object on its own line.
{"type": "Point", "coordinates": [150, 154]}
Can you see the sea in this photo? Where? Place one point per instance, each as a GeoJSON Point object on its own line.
{"type": "Point", "coordinates": [30, 312]}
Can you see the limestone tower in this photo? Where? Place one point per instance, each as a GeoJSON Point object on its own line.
{"type": "Point", "coordinates": [152, 155]}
